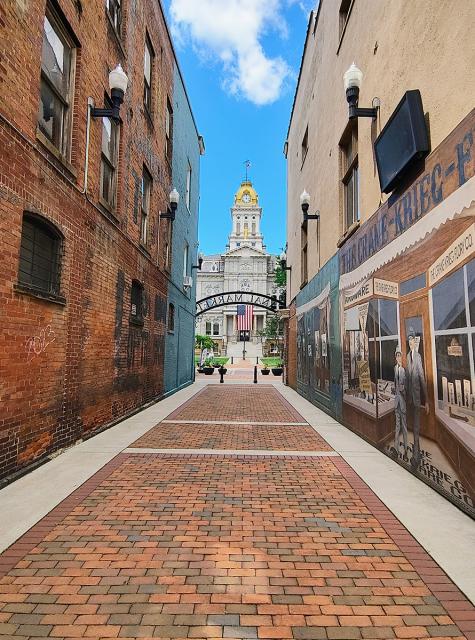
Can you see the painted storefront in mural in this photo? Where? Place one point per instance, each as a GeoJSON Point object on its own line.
{"type": "Point", "coordinates": [318, 339]}
{"type": "Point", "coordinates": [407, 323]}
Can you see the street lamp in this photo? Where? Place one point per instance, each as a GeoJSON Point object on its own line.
{"type": "Point", "coordinates": [305, 204]}
{"type": "Point", "coordinates": [283, 262]}
{"type": "Point", "coordinates": [200, 263]}
{"type": "Point", "coordinates": [174, 199]}
{"type": "Point", "coordinates": [118, 82]}
{"type": "Point", "coordinates": [352, 79]}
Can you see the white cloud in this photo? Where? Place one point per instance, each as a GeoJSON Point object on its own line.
{"type": "Point", "coordinates": [231, 31]}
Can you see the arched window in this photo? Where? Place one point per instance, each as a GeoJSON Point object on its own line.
{"type": "Point", "coordinates": [171, 317]}
{"type": "Point", "coordinates": [136, 302]}
{"type": "Point", "coordinates": [40, 255]}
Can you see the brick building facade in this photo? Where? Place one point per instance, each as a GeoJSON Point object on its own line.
{"type": "Point", "coordinates": [83, 295]}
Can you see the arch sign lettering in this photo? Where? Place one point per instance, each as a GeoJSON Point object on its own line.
{"type": "Point", "coordinates": [271, 303]}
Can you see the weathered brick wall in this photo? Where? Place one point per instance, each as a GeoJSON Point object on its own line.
{"type": "Point", "coordinates": [67, 370]}
{"type": "Point", "coordinates": [292, 348]}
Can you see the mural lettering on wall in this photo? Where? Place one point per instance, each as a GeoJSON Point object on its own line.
{"type": "Point", "coordinates": [37, 344]}
{"type": "Point", "coordinates": [441, 178]}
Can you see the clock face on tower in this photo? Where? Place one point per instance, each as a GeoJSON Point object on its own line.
{"type": "Point", "coordinates": [246, 198]}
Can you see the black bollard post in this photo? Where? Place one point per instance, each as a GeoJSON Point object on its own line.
{"type": "Point", "coordinates": [232, 359]}
{"type": "Point", "coordinates": [221, 373]}
{"type": "Point", "coordinates": [255, 374]}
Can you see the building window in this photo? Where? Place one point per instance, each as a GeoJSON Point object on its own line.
{"type": "Point", "coordinates": [147, 73]}
{"type": "Point", "coordinates": [168, 131]}
{"type": "Point", "coordinates": [146, 192]}
{"type": "Point", "coordinates": [57, 61]}
{"type": "Point", "coordinates": [216, 328]}
{"type": "Point", "coordinates": [185, 260]}
{"type": "Point", "coordinates": [188, 187]}
{"type": "Point", "coordinates": [40, 254]}
{"type": "Point", "coordinates": [304, 146]}
{"type": "Point", "coordinates": [253, 231]}
{"type": "Point", "coordinates": [171, 318]}
{"type": "Point", "coordinates": [109, 158]}
{"type": "Point", "coordinates": [238, 229]}
{"type": "Point", "coordinates": [208, 328]}
{"type": "Point", "coordinates": [136, 302]}
{"type": "Point", "coordinates": [344, 14]}
{"type": "Point", "coordinates": [115, 13]}
{"type": "Point", "coordinates": [350, 175]}
{"type": "Point", "coordinates": [303, 256]}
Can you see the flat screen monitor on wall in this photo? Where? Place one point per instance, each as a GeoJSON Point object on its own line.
{"type": "Point", "coordinates": [402, 141]}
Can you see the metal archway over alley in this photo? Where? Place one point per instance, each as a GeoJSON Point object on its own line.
{"type": "Point", "coordinates": [271, 303]}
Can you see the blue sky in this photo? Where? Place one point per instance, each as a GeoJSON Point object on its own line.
{"type": "Point", "coordinates": [240, 72]}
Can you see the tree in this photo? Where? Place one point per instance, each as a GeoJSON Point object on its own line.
{"type": "Point", "coordinates": [280, 276]}
{"type": "Point", "coordinates": [204, 342]}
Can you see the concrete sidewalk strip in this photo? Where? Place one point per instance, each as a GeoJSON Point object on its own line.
{"type": "Point", "coordinates": [234, 452]}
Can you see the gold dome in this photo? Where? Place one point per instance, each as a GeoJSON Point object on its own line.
{"type": "Point", "coordinates": [246, 195]}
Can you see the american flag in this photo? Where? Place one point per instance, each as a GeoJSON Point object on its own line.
{"type": "Point", "coordinates": [244, 317]}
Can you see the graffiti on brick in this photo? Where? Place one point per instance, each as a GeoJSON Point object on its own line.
{"type": "Point", "coordinates": [37, 344]}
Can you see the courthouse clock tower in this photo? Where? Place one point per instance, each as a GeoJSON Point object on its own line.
{"type": "Point", "coordinates": [246, 219]}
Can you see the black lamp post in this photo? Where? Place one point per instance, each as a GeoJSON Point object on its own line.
{"type": "Point", "coordinates": [200, 263]}
{"type": "Point", "coordinates": [174, 199]}
{"type": "Point", "coordinates": [283, 262]}
{"type": "Point", "coordinates": [118, 82]}
{"type": "Point", "coordinates": [352, 79]}
{"type": "Point", "coordinates": [305, 204]}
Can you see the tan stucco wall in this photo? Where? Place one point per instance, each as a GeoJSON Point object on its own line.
{"type": "Point", "coordinates": [399, 45]}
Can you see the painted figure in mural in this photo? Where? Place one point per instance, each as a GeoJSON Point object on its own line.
{"type": "Point", "coordinates": [400, 404]}
{"type": "Point", "coordinates": [417, 394]}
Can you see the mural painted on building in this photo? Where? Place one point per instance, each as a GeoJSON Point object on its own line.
{"type": "Point", "coordinates": [407, 324]}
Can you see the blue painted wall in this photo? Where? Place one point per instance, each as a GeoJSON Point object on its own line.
{"type": "Point", "coordinates": [179, 345]}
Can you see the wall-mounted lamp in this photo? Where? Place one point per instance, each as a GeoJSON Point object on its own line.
{"type": "Point", "coordinates": [283, 262]}
{"type": "Point", "coordinates": [118, 82]}
{"type": "Point", "coordinates": [352, 79]}
{"type": "Point", "coordinates": [174, 199]}
{"type": "Point", "coordinates": [305, 204]}
{"type": "Point", "coordinates": [200, 263]}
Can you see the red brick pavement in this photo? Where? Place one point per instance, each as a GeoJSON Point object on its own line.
{"type": "Point", "coordinates": [229, 436]}
{"type": "Point", "coordinates": [176, 546]}
{"type": "Point", "coordinates": [259, 403]}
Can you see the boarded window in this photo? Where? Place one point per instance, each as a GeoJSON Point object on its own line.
{"type": "Point", "coordinates": [39, 255]}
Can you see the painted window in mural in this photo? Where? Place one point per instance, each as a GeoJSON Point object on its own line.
{"type": "Point", "coordinates": [313, 348]}
{"type": "Point", "coordinates": [370, 341]}
{"type": "Point", "coordinates": [453, 306]}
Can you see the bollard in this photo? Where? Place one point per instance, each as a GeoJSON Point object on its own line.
{"type": "Point", "coordinates": [255, 374]}
{"type": "Point", "coordinates": [232, 359]}
{"type": "Point", "coordinates": [221, 373]}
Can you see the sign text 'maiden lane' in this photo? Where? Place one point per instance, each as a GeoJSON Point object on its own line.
{"type": "Point", "coordinates": [446, 169]}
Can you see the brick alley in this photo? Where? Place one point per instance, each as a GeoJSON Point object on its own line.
{"type": "Point", "coordinates": [223, 512]}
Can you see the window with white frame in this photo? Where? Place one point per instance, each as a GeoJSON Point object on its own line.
{"type": "Point", "coordinates": [216, 329]}
{"type": "Point", "coordinates": [147, 73]}
{"type": "Point", "coordinates": [185, 260]}
{"type": "Point", "coordinates": [145, 212]}
{"type": "Point", "coordinates": [350, 175]}
{"type": "Point", "coordinates": [57, 65]}
{"type": "Point", "coordinates": [208, 328]}
{"type": "Point", "coordinates": [114, 10]}
{"type": "Point", "coordinates": [109, 161]}
{"type": "Point", "coordinates": [168, 130]}
{"type": "Point", "coordinates": [188, 187]}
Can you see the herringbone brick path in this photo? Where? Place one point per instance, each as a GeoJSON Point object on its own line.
{"type": "Point", "coordinates": [226, 546]}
